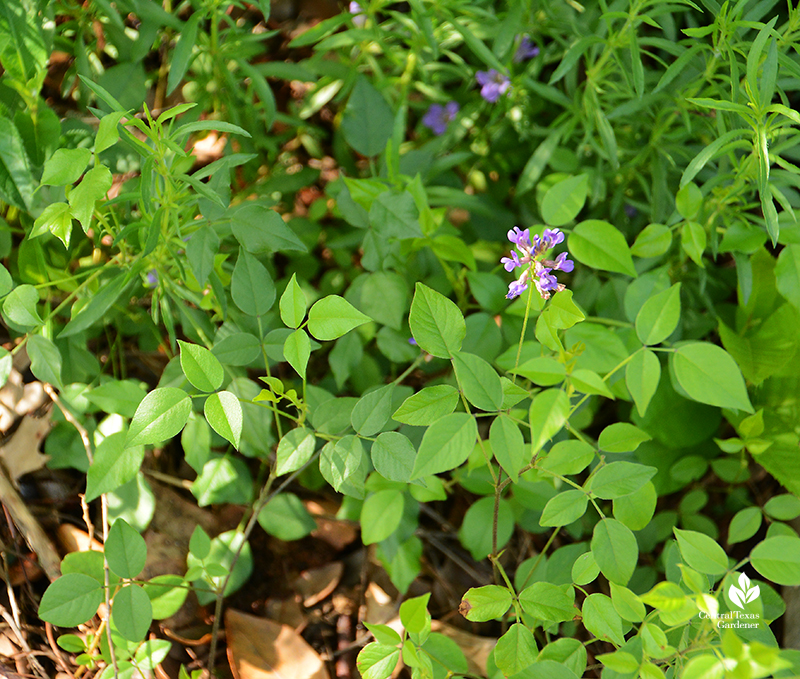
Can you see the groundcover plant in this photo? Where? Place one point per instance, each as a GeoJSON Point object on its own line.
{"type": "Point", "coordinates": [502, 299]}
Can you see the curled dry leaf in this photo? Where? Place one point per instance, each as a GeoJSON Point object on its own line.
{"type": "Point", "coordinates": [20, 455]}
{"type": "Point", "coordinates": [261, 649]}
{"type": "Point", "coordinates": [316, 584]}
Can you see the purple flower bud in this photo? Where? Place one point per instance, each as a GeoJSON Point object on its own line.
{"type": "Point", "coordinates": [511, 263]}
{"type": "Point", "coordinates": [526, 50]}
{"type": "Point", "coordinates": [564, 264]}
{"type": "Point", "coordinates": [631, 211]}
{"type": "Point", "coordinates": [151, 280]}
{"type": "Point", "coordinates": [438, 117]}
{"type": "Point", "coordinates": [359, 18]}
{"type": "Point", "coordinates": [412, 341]}
{"type": "Point", "coordinates": [493, 84]}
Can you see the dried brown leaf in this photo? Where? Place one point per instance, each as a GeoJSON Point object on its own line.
{"type": "Point", "coordinates": [261, 649]}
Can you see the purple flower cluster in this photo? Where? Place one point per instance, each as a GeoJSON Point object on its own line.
{"type": "Point", "coordinates": [493, 84]}
{"type": "Point", "coordinates": [438, 117]}
{"type": "Point", "coordinates": [540, 269]}
{"type": "Point", "coordinates": [525, 50]}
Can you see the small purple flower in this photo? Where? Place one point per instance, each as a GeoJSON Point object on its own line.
{"type": "Point", "coordinates": [511, 263]}
{"type": "Point", "coordinates": [520, 238]}
{"type": "Point", "coordinates": [438, 117]}
{"type": "Point", "coordinates": [547, 281]}
{"type": "Point", "coordinates": [564, 264]}
{"type": "Point", "coordinates": [516, 288]}
{"type": "Point", "coordinates": [151, 280]}
{"type": "Point", "coordinates": [526, 50]}
{"type": "Point", "coordinates": [359, 18]}
{"type": "Point", "coordinates": [412, 342]}
{"type": "Point", "coordinates": [493, 84]}
{"type": "Point", "coordinates": [631, 211]}
{"type": "Point", "coordinates": [552, 237]}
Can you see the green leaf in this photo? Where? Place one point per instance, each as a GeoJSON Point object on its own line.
{"type": "Point", "coordinates": [693, 241]}
{"type": "Point", "coordinates": [744, 525]}
{"type": "Point", "coordinates": [182, 54]}
{"type": "Point", "coordinates": [452, 249]}
{"type": "Point", "coordinates": [6, 283]}
{"type": "Point", "coordinates": [381, 514]}
{"type": "Point", "coordinates": [508, 446]}
{"type": "Point", "coordinates": [564, 200]}
{"type": "Point", "coordinates": [543, 370]}
{"type": "Point", "coordinates": [702, 552]}
{"type": "Point", "coordinates": [108, 131]}
{"type": "Point", "coordinates": [160, 416]}
{"type": "Point", "coordinates": [481, 604]}
{"type": "Point", "coordinates": [201, 367]}
{"type": "Point", "coordinates": [778, 559]}
{"type": "Point", "coordinates": [445, 445]}
{"type": "Point", "coordinates": [125, 550]}
{"type": "Point", "coordinates": [45, 360]}
{"type": "Point", "coordinates": [689, 201]}
{"type": "Point", "coordinates": [615, 550]}
{"type": "Point", "coordinates": [113, 466]}
{"type": "Point", "coordinates": [65, 166]}
{"type": "Point", "coordinates": [659, 316]}
{"type": "Point", "coordinates": [393, 456]}
{"type": "Point", "coordinates": [199, 543]}
{"type": "Point", "coordinates": [787, 274]}
{"type": "Point", "coordinates": [286, 517]}
{"type": "Point", "coordinates": [377, 661]}
{"type": "Point", "coordinates": [98, 306]}
{"type": "Point", "coordinates": [476, 532]}
{"type": "Point", "coordinates": [373, 411]}
{"type": "Point", "coordinates": [436, 323]}
{"type": "Point", "coordinates": [600, 245]}
{"type": "Point", "coordinates": [16, 181]}
{"type": "Point", "coordinates": [252, 288]}
{"type": "Point", "coordinates": [201, 249]}
{"type": "Point", "coordinates": [567, 457]}
{"type": "Point", "coordinates": [619, 479]}
{"type": "Point", "coordinates": [480, 382]}
{"type": "Point", "coordinates": [384, 298]}
{"type": "Point", "coordinates": [414, 614]}
{"type": "Point", "coordinates": [627, 604]}
{"type": "Point", "coordinates": [71, 600]}
{"type": "Point", "coordinates": [293, 304]}
{"type": "Point", "coordinates": [56, 218]}
{"type": "Point", "coordinates": [548, 602]}
{"type": "Point", "coordinates": [93, 187]}
{"type": "Point", "coordinates": [294, 450]}
{"type": "Point", "coordinates": [620, 662]}
{"type": "Point", "coordinates": [636, 510]}
{"type": "Point", "coordinates": [600, 618]}
{"type": "Point", "coordinates": [20, 306]}
{"type": "Point", "coordinates": [516, 650]}
{"type": "Point", "coordinates": [132, 612]}
{"type": "Point", "coordinates": [589, 382]}
{"type": "Point", "coordinates": [368, 120]}
{"type": "Point", "coordinates": [622, 437]}
{"type": "Point", "coordinates": [224, 413]}
{"type": "Point", "coordinates": [754, 59]}
{"type": "Point", "coordinates": [548, 414]}
{"type": "Point", "coordinates": [784, 507]}
{"type": "Point", "coordinates": [261, 230]}
{"type": "Point", "coordinates": [564, 508]}
{"type": "Point", "coordinates": [341, 461]}
{"type": "Point", "coordinates": [654, 240]}
{"type": "Point", "coordinates": [297, 351]}
{"type": "Point", "coordinates": [642, 375]}
{"type": "Point", "coordinates": [395, 216]}
{"type": "Point", "coordinates": [239, 349]}
{"type": "Point", "coordinates": [708, 374]}
{"type": "Point", "coordinates": [427, 405]}
{"type": "Point", "coordinates": [333, 316]}
{"type": "Point", "coordinates": [585, 569]}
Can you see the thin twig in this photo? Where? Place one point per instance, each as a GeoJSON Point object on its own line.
{"type": "Point", "coordinates": [262, 502]}
{"type": "Point", "coordinates": [87, 445]}
{"type": "Point", "coordinates": [37, 667]}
